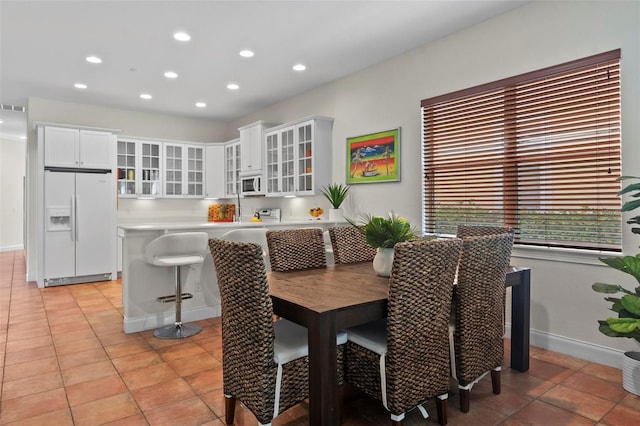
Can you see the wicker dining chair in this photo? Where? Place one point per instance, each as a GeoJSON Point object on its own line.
{"type": "Point", "coordinates": [295, 249]}
{"type": "Point", "coordinates": [349, 245]}
{"type": "Point", "coordinates": [251, 235]}
{"type": "Point", "coordinates": [403, 361]}
{"type": "Point", "coordinates": [264, 363]}
{"type": "Point", "coordinates": [476, 337]}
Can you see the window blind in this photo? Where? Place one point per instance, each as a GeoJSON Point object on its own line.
{"type": "Point", "coordinates": [539, 152]}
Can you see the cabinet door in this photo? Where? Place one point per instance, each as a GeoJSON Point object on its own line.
{"type": "Point", "coordinates": [61, 147]}
{"type": "Point", "coordinates": [251, 153]}
{"type": "Point", "coordinates": [96, 150]}
{"type": "Point", "coordinates": [195, 171]}
{"type": "Point", "coordinates": [126, 162]}
{"type": "Point", "coordinates": [232, 168]}
{"type": "Point", "coordinates": [272, 163]}
{"type": "Point", "coordinates": [214, 171]}
{"type": "Point", "coordinates": [288, 162]}
{"type": "Point", "coordinates": [173, 170]}
{"type": "Point", "coordinates": [304, 155]}
{"type": "Point", "coordinates": [149, 171]}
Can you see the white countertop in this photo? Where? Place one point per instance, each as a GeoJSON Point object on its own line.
{"type": "Point", "coordinates": [159, 224]}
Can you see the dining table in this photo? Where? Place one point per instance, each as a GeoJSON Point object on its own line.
{"type": "Point", "coordinates": [329, 299]}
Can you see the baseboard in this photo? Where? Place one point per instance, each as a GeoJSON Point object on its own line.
{"type": "Point", "coordinates": [577, 348]}
{"type": "Point", "coordinates": [12, 248]}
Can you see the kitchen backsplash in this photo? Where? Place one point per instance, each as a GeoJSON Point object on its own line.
{"type": "Point", "coordinates": [133, 210]}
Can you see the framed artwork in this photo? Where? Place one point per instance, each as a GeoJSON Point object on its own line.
{"type": "Point", "coordinates": [374, 158]}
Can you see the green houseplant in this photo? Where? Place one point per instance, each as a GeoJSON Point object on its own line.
{"type": "Point", "coordinates": [627, 323]}
{"type": "Point", "coordinates": [336, 193]}
{"type": "Point", "coordinates": [383, 233]}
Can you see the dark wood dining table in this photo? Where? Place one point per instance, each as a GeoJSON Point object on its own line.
{"type": "Point", "coordinates": [329, 299]}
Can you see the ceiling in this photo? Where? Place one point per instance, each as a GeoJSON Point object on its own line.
{"type": "Point", "coordinates": [44, 44]}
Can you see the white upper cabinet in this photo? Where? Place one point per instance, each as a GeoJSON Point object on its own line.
{"type": "Point", "coordinates": [298, 157]}
{"type": "Point", "coordinates": [232, 151]}
{"type": "Point", "coordinates": [252, 147]}
{"type": "Point", "coordinates": [184, 166]}
{"type": "Point", "coordinates": [89, 149]}
{"type": "Point", "coordinates": [139, 168]}
{"type": "Point", "coordinates": [215, 160]}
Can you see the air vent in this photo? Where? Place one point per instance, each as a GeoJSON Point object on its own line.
{"type": "Point", "coordinates": [17, 108]}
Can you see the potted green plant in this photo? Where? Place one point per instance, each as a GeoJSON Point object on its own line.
{"type": "Point", "coordinates": [336, 193]}
{"type": "Point", "coordinates": [383, 233]}
{"type": "Point", "coordinates": [627, 323]}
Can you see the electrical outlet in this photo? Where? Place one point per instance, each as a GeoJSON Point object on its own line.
{"type": "Point", "coordinates": [198, 286]}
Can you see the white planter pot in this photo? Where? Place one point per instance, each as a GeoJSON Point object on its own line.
{"type": "Point", "coordinates": [382, 261]}
{"type": "Point", "coordinates": [631, 372]}
{"type": "Point", "coordinates": [336, 215]}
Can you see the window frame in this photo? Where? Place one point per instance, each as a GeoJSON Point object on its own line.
{"type": "Point", "coordinates": [510, 211]}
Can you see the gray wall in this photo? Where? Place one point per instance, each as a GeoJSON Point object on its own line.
{"type": "Point", "coordinates": [12, 168]}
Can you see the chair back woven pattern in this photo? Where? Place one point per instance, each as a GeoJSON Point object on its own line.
{"type": "Point", "coordinates": [479, 305]}
{"type": "Point", "coordinates": [295, 249]}
{"type": "Point", "coordinates": [350, 246]}
{"type": "Point", "coordinates": [465, 231]}
{"type": "Point", "coordinates": [420, 292]}
{"type": "Point", "coordinates": [249, 369]}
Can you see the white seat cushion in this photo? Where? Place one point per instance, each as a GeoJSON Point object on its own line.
{"type": "Point", "coordinates": [291, 341]}
{"type": "Point", "coordinates": [372, 336]}
{"type": "Point", "coordinates": [177, 260]}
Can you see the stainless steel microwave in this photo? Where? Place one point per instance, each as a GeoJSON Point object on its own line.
{"type": "Point", "coordinates": [251, 185]}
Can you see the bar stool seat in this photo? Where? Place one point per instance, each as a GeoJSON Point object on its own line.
{"type": "Point", "coordinates": [175, 251]}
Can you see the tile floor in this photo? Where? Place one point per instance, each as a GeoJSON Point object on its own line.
{"type": "Point", "coordinates": [66, 361]}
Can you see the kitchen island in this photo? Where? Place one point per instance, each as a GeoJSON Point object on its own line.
{"type": "Point", "coordinates": [143, 283]}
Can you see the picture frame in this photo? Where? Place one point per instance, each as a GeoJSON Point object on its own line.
{"type": "Point", "coordinates": [374, 157]}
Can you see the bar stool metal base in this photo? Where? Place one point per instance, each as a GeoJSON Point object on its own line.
{"type": "Point", "coordinates": [177, 331]}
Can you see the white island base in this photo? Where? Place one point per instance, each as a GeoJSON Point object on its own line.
{"type": "Point", "coordinates": [143, 283]}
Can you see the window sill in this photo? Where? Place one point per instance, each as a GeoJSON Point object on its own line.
{"type": "Point", "coordinates": [555, 254]}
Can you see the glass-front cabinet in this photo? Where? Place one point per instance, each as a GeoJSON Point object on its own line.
{"type": "Point", "coordinates": [184, 170]}
{"type": "Point", "coordinates": [139, 168]}
{"type": "Point", "coordinates": [305, 151]}
{"type": "Point", "coordinates": [298, 157]}
{"type": "Point", "coordinates": [232, 168]}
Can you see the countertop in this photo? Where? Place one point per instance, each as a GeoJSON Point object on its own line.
{"type": "Point", "coordinates": [159, 224]}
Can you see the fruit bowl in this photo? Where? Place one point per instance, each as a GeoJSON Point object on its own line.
{"type": "Point", "coordinates": [316, 212]}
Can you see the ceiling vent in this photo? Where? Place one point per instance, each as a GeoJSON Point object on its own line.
{"type": "Point", "coordinates": [17, 108]}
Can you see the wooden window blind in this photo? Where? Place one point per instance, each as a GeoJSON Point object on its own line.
{"type": "Point", "coordinates": [539, 152]}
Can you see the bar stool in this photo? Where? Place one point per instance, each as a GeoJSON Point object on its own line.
{"type": "Point", "coordinates": [177, 250]}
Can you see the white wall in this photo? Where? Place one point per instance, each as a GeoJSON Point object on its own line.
{"type": "Point", "coordinates": [130, 123]}
{"type": "Point", "coordinates": [12, 167]}
{"type": "Point", "coordinates": [535, 36]}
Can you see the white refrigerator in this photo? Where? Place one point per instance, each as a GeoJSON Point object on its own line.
{"type": "Point", "coordinates": [79, 226]}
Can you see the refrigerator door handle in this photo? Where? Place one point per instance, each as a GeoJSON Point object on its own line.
{"type": "Point", "coordinates": [73, 218]}
{"type": "Point", "coordinates": [77, 215]}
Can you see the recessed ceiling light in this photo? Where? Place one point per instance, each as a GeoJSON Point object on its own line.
{"type": "Point", "coordinates": [94, 59]}
{"type": "Point", "coordinates": [80, 86]}
{"type": "Point", "coordinates": [299, 67]}
{"type": "Point", "coordinates": [232, 86]}
{"type": "Point", "coordinates": [1, 121]}
{"type": "Point", "coordinates": [181, 36]}
{"type": "Point", "coordinates": [23, 137]}
{"type": "Point", "coordinates": [246, 53]}
{"type": "Point", "coordinates": [146, 96]}
{"type": "Point", "coordinates": [170, 74]}
{"type": "Point", "coordinates": [201, 104]}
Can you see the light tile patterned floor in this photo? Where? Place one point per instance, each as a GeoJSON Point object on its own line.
{"type": "Point", "coordinates": [66, 361]}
